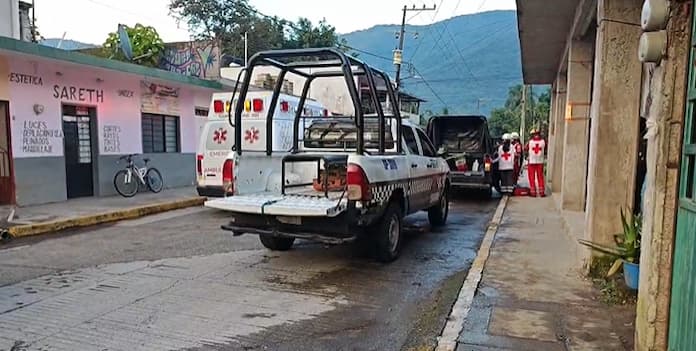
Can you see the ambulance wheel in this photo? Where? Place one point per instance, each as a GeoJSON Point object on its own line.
{"type": "Point", "coordinates": [275, 243]}
{"type": "Point", "coordinates": [437, 215]}
{"type": "Point", "coordinates": [388, 233]}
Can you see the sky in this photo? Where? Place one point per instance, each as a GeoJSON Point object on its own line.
{"type": "Point", "coordinates": [90, 21]}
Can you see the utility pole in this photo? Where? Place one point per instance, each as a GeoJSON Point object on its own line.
{"type": "Point", "coordinates": [246, 49]}
{"type": "Point", "coordinates": [398, 53]}
{"type": "Point", "coordinates": [524, 114]}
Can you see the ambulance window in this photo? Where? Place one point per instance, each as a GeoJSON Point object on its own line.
{"type": "Point", "coordinates": [410, 140]}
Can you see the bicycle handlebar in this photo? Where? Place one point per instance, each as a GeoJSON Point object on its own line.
{"type": "Point", "coordinates": [127, 157]}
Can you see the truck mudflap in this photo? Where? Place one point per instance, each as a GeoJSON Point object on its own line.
{"type": "Point", "coordinates": [281, 205]}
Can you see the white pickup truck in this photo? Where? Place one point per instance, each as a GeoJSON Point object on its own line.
{"type": "Point", "coordinates": [345, 179]}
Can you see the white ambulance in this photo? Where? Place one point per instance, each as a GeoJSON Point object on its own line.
{"type": "Point", "coordinates": [217, 135]}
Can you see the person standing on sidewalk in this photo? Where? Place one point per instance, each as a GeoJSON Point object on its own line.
{"type": "Point", "coordinates": [518, 156]}
{"type": "Point", "coordinates": [536, 149]}
{"type": "Point", "coordinates": [505, 157]}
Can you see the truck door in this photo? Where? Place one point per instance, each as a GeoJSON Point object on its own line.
{"type": "Point", "coordinates": [431, 183]}
{"type": "Point", "coordinates": [417, 198]}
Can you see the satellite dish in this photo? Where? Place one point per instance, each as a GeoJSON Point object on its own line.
{"type": "Point", "coordinates": [124, 42]}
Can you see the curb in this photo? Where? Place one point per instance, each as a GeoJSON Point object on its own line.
{"type": "Point", "coordinates": [103, 217]}
{"type": "Point", "coordinates": [447, 341]}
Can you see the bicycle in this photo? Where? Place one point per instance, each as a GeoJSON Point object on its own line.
{"type": "Point", "coordinates": [127, 185]}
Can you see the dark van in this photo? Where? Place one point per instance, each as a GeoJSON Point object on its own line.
{"type": "Point", "coordinates": [468, 147]}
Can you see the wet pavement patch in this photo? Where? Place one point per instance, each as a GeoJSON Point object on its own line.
{"type": "Point", "coordinates": [520, 323]}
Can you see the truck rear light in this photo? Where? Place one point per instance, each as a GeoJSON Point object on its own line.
{"type": "Point", "coordinates": [228, 176]}
{"type": "Point", "coordinates": [257, 105]}
{"type": "Point", "coordinates": [284, 106]}
{"type": "Point", "coordinates": [487, 162]}
{"type": "Point", "coordinates": [218, 106]}
{"type": "Point", "coordinates": [199, 164]}
{"type": "Point", "coordinates": [357, 184]}
{"type": "Point", "coordinates": [247, 105]}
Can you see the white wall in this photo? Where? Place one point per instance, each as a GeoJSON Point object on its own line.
{"type": "Point", "coordinates": [9, 18]}
{"type": "Point", "coordinates": [330, 92]}
{"type": "Point", "coordinates": [116, 96]}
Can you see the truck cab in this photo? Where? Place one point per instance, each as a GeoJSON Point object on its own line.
{"type": "Point", "coordinates": [466, 144]}
{"type": "Point", "coordinates": [345, 178]}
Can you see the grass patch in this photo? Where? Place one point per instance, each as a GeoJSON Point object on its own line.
{"type": "Point", "coordinates": [613, 289]}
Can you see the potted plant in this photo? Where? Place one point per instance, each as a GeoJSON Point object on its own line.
{"type": "Point", "coordinates": [626, 251]}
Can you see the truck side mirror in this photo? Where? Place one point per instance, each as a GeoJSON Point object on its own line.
{"type": "Point", "coordinates": [442, 151]}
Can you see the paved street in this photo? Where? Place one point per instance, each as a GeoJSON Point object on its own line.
{"type": "Point", "coordinates": [176, 281]}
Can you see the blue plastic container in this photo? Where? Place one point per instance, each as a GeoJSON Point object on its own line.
{"type": "Point", "coordinates": [631, 274]}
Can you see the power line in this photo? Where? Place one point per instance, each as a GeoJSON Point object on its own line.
{"type": "Point", "coordinates": [430, 87]}
{"type": "Point", "coordinates": [495, 32]}
{"type": "Point", "coordinates": [365, 52]}
{"type": "Point", "coordinates": [420, 42]}
{"type": "Point", "coordinates": [459, 51]}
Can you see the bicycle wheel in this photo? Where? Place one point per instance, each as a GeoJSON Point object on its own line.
{"type": "Point", "coordinates": [125, 183]}
{"type": "Point", "coordinates": [154, 180]}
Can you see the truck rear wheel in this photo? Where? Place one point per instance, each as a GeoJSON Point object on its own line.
{"type": "Point", "coordinates": [276, 243]}
{"type": "Point", "coordinates": [389, 234]}
{"type": "Point", "coordinates": [437, 215]}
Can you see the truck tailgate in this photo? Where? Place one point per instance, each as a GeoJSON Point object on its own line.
{"type": "Point", "coordinates": [280, 205]}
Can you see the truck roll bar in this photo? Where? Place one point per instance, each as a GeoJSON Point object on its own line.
{"type": "Point", "coordinates": [294, 61]}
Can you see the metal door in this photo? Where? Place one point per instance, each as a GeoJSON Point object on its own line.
{"type": "Point", "coordinates": [77, 133]}
{"type": "Point", "coordinates": [6, 177]}
{"type": "Point", "coordinates": [682, 324]}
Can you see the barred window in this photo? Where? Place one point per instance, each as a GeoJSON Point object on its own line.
{"type": "Point", "coordinates": [160, 133]}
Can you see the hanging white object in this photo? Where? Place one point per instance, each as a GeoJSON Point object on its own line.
{"type": "Point", "coordinates": [655, 15]}
{"type": "Point", "coordinates": [476, 166]}
{"type": "Point", "coordinates": [652, 46]}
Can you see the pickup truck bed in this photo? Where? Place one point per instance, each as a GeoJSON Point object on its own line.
{"type": "Point", "coordinates": [269, 203]}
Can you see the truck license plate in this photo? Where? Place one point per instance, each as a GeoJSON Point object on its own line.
{"type": "Point", "coordinates": [290, 220]}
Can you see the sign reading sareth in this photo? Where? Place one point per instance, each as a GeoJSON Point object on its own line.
{"type": "Point", "coordinates": [72, 93]}
{"type": "Point", "coordinates": [159, 99]}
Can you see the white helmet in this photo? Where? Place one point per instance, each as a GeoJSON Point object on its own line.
{"type": "Point", "coordinates": [507, 136]}
{"type": "Point", "coordinates": [515, 135]}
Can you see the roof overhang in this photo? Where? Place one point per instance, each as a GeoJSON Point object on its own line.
{"type": "Point", "coordinates": [544, 28]}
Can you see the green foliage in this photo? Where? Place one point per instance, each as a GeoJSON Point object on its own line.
{"type": "Point", "coordinates": [627, 243]}
{"type": "Point", "coordinates": [228, 20]}
{"type": "Point", "coordinates": [146, 42]}
{"type": "Point", "coordinates": [507, 119]}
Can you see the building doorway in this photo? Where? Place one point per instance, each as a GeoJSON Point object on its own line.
{"type": "Point", "coordinates": [78, 139]}
{"type": "Point", "coordinates": [7, 191]}
{"type": "Point", "coordinates": [682, 313]}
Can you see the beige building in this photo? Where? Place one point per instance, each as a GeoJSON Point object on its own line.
{"type": "Point", "coordinates": [622, 136]}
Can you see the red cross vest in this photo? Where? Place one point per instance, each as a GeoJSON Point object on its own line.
{"type": "Point", "coordinates": [506, 160]}
{"type": "Point", "coordinates": [536, 151]}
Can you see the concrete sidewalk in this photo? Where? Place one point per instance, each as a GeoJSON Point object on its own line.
{"type": "Point", "coordinates": [41, 219]}
{"type": "Point", "coordinates": [532, 295]}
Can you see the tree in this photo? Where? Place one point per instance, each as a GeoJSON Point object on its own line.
{"type": "Point", "coordinates": [305, 35]}
{"type": "Point", "coordinates": [145, 41]}
{"type": "Point", "coordinates": [507, 119]}
{"type": "Point", "coordinates": [227, 20]}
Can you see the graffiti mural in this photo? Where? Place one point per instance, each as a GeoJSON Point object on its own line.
{"type": "Point", "coordinates": [197, 58]}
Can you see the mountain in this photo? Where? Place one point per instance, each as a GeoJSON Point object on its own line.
{"type": "Point", "coordinates": [470, 61]}
{"type": "Point", "coordinates": [67, 44]}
